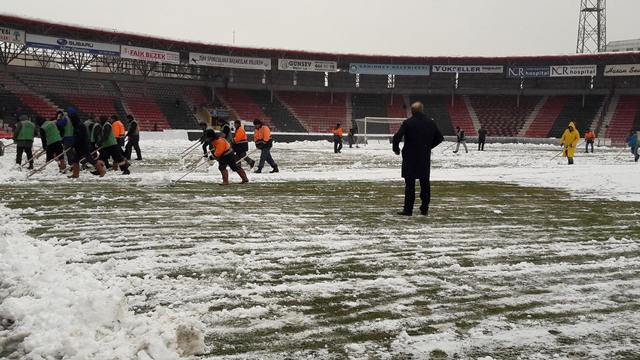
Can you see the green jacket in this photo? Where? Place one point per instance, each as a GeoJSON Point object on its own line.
{"type": "Point", "coordinates": [51, 132]}
{"type": "Point", "coordinates": [25, 131]}
{"type": "Point", "coordinates": [107, 139]}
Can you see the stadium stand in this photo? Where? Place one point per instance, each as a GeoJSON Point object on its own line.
{"type": "Point", "coordinates": [460, 116]}
{"type": "Point", "coordinates": [317, 111]}
{"type": "Point", "coordinates": [88, 96]}
{"type": "Point", "coordinates": [169, 98]}
{"type": "Point", "coordinates": [25, 99]}
{"type": "Point", "coordinates": [502, 115]}
{"type": "Point", "coordinates": [370, 105]}
{"type": "Point", "coordinates": [196, 96]}
{"type": "Point", "coordinates": [396, 108]}
{"type": "Point", "coordinates": [241, 105]}
{"type": "Point", "coordinates": [574, 110]}
{"type": "Point", "coordinates": [136, 101]}
{"type": "Point", "coordinates": [282, 118]}
{"type": "Point", "coordinates": [437, 107]}
{"type": "Point", "coordinates": [624, 118]}
{"type": "Point", "coordinates": [546, 117]}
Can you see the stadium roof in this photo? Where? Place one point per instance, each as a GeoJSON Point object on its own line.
{"type": "Point", "coordinates": [43, 27]}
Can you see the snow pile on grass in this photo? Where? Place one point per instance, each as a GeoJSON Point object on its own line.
{"type": "Point", "coordinates": [51, 306]}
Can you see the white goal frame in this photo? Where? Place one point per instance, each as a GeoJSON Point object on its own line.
{"type": "Point", "coordinates": [375, 120]}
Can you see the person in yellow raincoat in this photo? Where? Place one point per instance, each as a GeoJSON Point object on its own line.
{"type": "Point", "coordinates": [569, 140]}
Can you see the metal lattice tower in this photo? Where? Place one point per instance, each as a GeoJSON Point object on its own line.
{"type": "Point", "coordinates": [592, 27]}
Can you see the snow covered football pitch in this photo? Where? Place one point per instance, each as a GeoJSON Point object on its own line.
{"type": "Point", "coordinates": [522, 257]}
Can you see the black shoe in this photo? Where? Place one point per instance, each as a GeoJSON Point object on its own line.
{"type": "Point", "coordinates": [404, 213]}
{"type": "Point", "coordinates": [424, 212]}
{"type": "Point", "coordinates": [275, 170]}
{"type": "Point", "coordinates": [95, 172]}
{"type": "Point", "coordinates": [259, 171]}
{"type": "Point", "coordinates": [139, 159]}
{"type": "Point", "coordinates": [125, 169]}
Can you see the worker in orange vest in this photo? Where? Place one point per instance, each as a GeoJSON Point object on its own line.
{"type": "Point", "coordinates": [337, 139]}
{"type": "Point", "coordinates": [264, 142]}
{"type": "Point", "coordinates": [222, 152]}
{"type": "Point", "coordinates": [118, 131]}
{"type": "Point", "coordinates": [589, 137]}
{"type": "Point", "coordinates": [240, 144]}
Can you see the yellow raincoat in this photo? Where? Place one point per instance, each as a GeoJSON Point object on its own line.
{"type": "Point", "coordinates": [569, 140]}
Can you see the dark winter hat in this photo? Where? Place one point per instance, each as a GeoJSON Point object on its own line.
{"type": "Point", "coordinates": [257, 122]}
{"type": "Point", "coordinates": [71, 110]}
{"type": "Point", "coordinates": [211, 134]}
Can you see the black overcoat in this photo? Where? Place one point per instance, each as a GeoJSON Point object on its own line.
{"type": "Point", "coordinates": [420, 135]}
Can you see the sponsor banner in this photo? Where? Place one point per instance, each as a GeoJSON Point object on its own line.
{"type": "Point", "coordinates": [622, 70]}
{"type": "Point", "coordinates": [64, 44]}
{"type": "Point", "coordinates": [528, 72]}
{"type": "Point", "coordinates": [573, 70]}
{"type": "Point", "coordinates": [307, 65]}
{"type": "Point", "coordinates": [146, 54]}
{"type": "Point", "coordinates": [234, 62]}
{"type": "Point", "coordinates": [468, 69]}
{"type": "Point", "coordinates": [389, 69]}
{"type": "Point", "coordinates": [12, 36]}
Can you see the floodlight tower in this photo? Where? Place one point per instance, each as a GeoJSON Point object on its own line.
{"type": "Point", "coordinates": [592, 27]}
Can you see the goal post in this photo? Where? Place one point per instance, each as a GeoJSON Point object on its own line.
{"type": "Point", "coordinates": [377, 127]}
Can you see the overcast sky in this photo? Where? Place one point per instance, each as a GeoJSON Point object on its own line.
{"type": "Point", "coordinates": [389, 27]}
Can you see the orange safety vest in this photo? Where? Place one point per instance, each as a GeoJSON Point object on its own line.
{"type": "Point", "coordinates": [240, 136]}
{"type": "Point", "coordinates": [337, 132]}
{"type": "Point", "coordinates": [589, 135]}
{"type": "Point", "coordinates": [262, 135]}
{"type": "Point", "coordinates": [221, 147]}
{"type": "Point", "coordinates": [118, 129]}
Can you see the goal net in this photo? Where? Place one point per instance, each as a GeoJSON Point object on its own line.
{"type": "Point", "coordinates": [377, 127]}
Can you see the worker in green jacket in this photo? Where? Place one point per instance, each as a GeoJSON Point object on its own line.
{"type": "Point", "coordinates": [109, 147]}
{"type": "Point", "coordinates": [23, 135]}
{"type": "Point", "coordinates": [52, 142]}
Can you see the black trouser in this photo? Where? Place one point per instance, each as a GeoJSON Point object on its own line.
{"type": "Point", "coordinates": [351, 141]}
{"type": "Point", "coordinates": [27, 150]}
{"type": "Point", "coordinates": [133, 142]}
{"type": "Point", "coordinates": [410, 194]}
{"type": "Point", "coordinates": [205, 146]}
{"type": "Point", "coordinates": [481, 144]}
{"type": "Point", "coordinates": [337, 145]}
{"type": "Point", "coordinates": [265, 155]}
{"type": "Point", "coordinates": [586, 146]}
{"type": "Point", "coordinates": [243, 154]}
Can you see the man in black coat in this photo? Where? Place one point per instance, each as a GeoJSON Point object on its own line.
{"type": "Point", "coordinates": [482, 138]}
{"type": "Point", "coordinates": [420, 135]}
